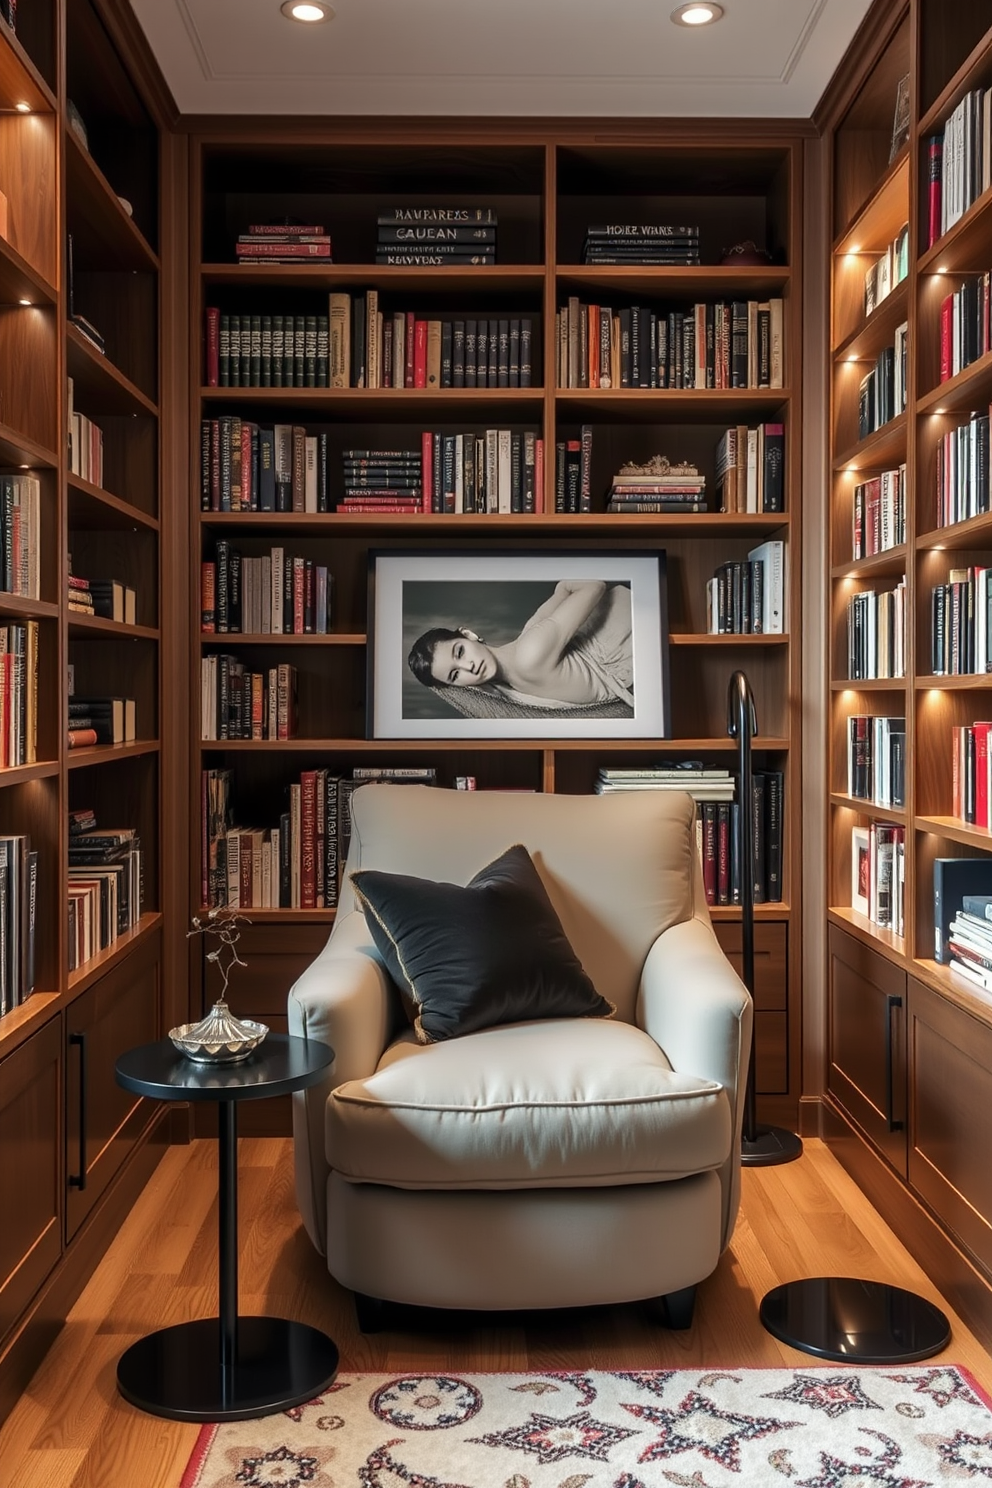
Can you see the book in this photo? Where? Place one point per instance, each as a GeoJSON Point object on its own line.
{"type": "Point", "coordinates": [953, 878]}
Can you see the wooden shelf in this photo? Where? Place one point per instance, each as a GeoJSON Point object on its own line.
{"type": "Point", "coordinates": [879, 450]}
{"type": "Point", "coordinates": [104, 235]}
{"type": "Point", "coordinates": [868, 808]}
{"type": "Point", "coordinates": [956, 830]}
{"type": "Point", "coordinates": [965, 682]}
{"type": "Point", "coordinates": [882, 217]}
{"type": "Point", "coordinates": [98, 966]}
{"type": "Point", "coordinates": [723, 280]}
{"type": "Point", "coordinates": [20, 281]}
{"type": "Point", "coordinates": [344, 746]}
{"type": "Point", "coordinates": [775, 909]}
{"type": "Point", "coordinates": [109, 754]}
{"type": "Point", "coordinates": [17, 607]}
{"type": "Point", "coordinates": [17, 449]}
{"type": "Point", "coordinates": [406, 404]}
{"type": "Point", "coordinates": [956, 989]}
{"type": "Point", "coordinates": [93, 508]}
{"type": "Point", "coordinates": [20, 80]}
{"type": "Point", "coordinates": [264, 638]}
{"type": "Point", "coordinates": [384, 277]}
{"type": "Point", "coordinates": [887, 564]}
{"type": "Point", "coordinates": [892, 946]}
{"type": "Point", "coordinates": [97, 626]}
{"type": "Point", "coordinates": [20, 774]}
{"type": "Point", "coordinates": [25, 1019]}
{"type": "Point", "coordinates": [878, 330]}
{"type": "Point", "coordinates": [727, 641]}
{"type": "Point", "coordinates": [951, 94]}
{"type": "Point", "coordinates": [689, 405]}
{"type": "Point", "coordinates": [870, 684]}
{"type": "Point", "coordinates": [702, 524]}
{"type": "Point", "coordinates": [965, 246]}
{"type": "Point", "coordinates": [100, 386]}
{"type": "Point", "coordinates": [960, 392]}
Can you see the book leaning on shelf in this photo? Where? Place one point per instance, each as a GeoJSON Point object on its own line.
{"type": "Point", "coordinates": [890, 268]}
{"type": "Point", "coordinates": [962, 484]}
{"type": "Point", "coordinates": [971, 773]}
{"type": "Point", "coordinates": [876, 633]}
{"type": "Point", "coordinates": [878, 874]}
{"type": "Point", "coordinates": [876, 759]}
{"type": "Point", "coordinates": [964, 325]}
{"type": "Point", "coordinates": [274, 593]}
{"type": "Point", "coordinates": [750, 469]}
{"type": "Point", "coordinates": [85, 443]}
{"type": "Point", "coordinates": [236, 703]}
{"type": "Point", "coordinates": [735, 345]}
{"type": "Point", "coordinates": [105, 889]}
{"type": "Point", "coordinates": [18, 907]}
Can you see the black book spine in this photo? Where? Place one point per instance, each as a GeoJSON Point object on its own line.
{"type": "Point", "coordinates": [447, 338]}
{"type": "Point", "coordinates": [514, 373]}
{"type": "Point", "coordinates": [526, 342]}
{"type": "Point", "coordinates": [503, 354]}
{"type": "Point", "coordinates": [471, 330]}
{"type": "Point", "coordinates": [457, 354]}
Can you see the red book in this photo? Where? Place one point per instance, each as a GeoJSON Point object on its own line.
{"type": "Point", "coordinates": [248, 498]}
{"type": "Point", "coordinates": [208, 598]}
{"type": "Point", "coordinates": [947, 337]}
{"type": "Point", "coordinates": [298, 595]}
{"type": "Point", "coordinates": [213, 346]}
{"type": "Point", "coordinates": [284, 230]}
{"type": "Point", "coordinates": [420, 354]}
{"type": "Point", "coordinates": [283, 250]}
{"type": "Point", "coordinates": [982, 774]}
{"type": "Point", "coordinates": [245, 875]}
{"type": "Point", "coordinates": [78, 739]}
{"type": "Point", "coordinates": [935, 151]}
{"type": "Point", "coordinates": [215, 464]}
{"type": "Point", "coordinates": [204, 837]}
{"type": "Point", "coordinates": [408, 350]}
{"type": "Point", "coordinates": [426, 468]}
{"type": "Point", "coordinates": [308, 834]}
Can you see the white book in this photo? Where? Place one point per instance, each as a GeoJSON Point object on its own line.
{"type": "Point", "coordinates": [272, 718]}
{"type": "Point", "coordinates": [310, 473]}
{"type": "Point", "coordinates": [277, 557]}
{"type": "Point", "coordinates": [771, 555]}
{"type": "Point", "coordinates": [777, 319]}
{"type": "Point", "coordinates": [751, 485]}
{"type": "Point", "coordinates": [504, 451]}
{"type": "Point", "coordinates": [399, 352]}
{"type": "Point", "coordinates": [275, 846]}
{"type": "Point", "coordinates": [294, 846]}
{"type": "Point", "coordinates": [492, 489]}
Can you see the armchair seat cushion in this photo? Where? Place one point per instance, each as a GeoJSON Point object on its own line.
{"type": "Point", "coordinates": [560, 1103]}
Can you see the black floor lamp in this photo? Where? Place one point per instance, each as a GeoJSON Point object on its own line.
{"type": "Point", "coordinates": [833, 1317]}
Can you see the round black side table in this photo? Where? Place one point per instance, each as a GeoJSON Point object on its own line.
{"type": "Point", "coordinates": [226, 1368]}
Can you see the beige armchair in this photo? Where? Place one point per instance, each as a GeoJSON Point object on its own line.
{"type": "Point", "coordinates": [547, 1163]}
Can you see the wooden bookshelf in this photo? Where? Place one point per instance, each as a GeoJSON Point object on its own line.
{"type": "Point", "coordinates": [56, 187]}
{"type": "Point", "coordinates": [906, 1039]}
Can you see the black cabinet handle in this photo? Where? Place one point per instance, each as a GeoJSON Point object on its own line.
{"type": "Point", "coordinates": [78, 1180]}
{"type": "Point", "coordinates": [891, 1003]}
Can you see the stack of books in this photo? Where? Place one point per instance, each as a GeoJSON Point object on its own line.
{"type": "Point", "coordinates": [437, 237]}
{"type": "Point", "coordinates": [101, 720]}
{"type": "Point", "coordinates": [657, 486]}
{"type": "Point", "coordinates": [970, 940]}
{"type": "Point", "coordinates": [79, 596]}
{"type": "Point", "coordinates": [701, 784]}
{"type": "Point", "coordinates": [641, 243]}
{"type": "Point", "coordinates": [382, 480]}
{"type": "Point", "coordinates": [104, 886]}
{"type": "Point", "coordinates": [283, 243]}
{"type": "Point", "coordinates": [107, 598]}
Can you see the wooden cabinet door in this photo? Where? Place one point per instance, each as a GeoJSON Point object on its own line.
{"type": "Point", "coordinates": [867, 1043]}
{"type": "Point", "coordinates": [950, 1061]}
{"type": "Point", "coordinates": [30, 1190]}
{"type": "Point", "coordinates": [102, 1120]}
{"type": "Point", "coordinates": [771, 1016]}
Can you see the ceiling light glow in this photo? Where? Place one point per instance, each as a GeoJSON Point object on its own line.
{"type": "Point", "coordinates": [23, 108]}
{"type": "Point", "coordinates": [306, 10]}
{"type": "Point", "coordinates": [699, 13]}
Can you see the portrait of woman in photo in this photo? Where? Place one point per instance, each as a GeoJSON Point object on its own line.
{"type": "Point", "coordinates": [572, 652]}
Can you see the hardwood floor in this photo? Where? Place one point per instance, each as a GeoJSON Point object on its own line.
{"type": "Point", "coordinates": [71, 1429]}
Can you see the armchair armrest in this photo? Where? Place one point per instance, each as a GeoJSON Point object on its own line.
{"type": "Point", "coordinates": [697, 1009]}
{"type": "Point", "coordinates": [343, 998]}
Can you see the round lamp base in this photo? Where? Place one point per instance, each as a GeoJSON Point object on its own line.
{"type": "Point", "coordinates": [852, 1321]}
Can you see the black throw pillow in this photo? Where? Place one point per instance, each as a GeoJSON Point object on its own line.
{"type": "Point", "coordinates": [469, 958]}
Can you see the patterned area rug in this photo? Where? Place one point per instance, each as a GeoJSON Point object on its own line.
{"type": "Point", "coordinates": [833, 1427]}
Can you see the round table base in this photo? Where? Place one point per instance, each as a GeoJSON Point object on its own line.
{"type": "Point", "coordinates": [852, 1321]}
{"type": "Point", "coordinates": [176, 1372]}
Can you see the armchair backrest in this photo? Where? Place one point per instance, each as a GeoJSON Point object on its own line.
{"type": "Point", "coordinates": [619, 868]}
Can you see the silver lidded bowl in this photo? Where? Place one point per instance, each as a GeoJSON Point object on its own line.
{"type": "Point", "coordinates": [219, 1038]}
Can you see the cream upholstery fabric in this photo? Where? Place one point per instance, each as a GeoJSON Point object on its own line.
{"type": "Point", "coordinates": [539, 1164]}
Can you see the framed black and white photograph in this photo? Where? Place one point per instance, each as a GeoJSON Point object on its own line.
{"type": "Point", "coordinates": [517, 645]}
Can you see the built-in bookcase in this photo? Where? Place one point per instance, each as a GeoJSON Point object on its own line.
{"type": "Point", "coordinates": [546, 188]}
{"type": "Point", "coordinates": [907, 1038]}
{"type": "Point", "coordinates": [73, 1144]}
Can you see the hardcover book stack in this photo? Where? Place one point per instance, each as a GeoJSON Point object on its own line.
{"type": "Point", "coordinates": [954, 881]}
{"type": "Point", "coordinates": [969, 941]}
{"type": "Point", "coordinates": [283, 243]}
{"type": "Point", "coordinates": [18, 693]}
{"type": "Point", "coordinates": [20, 535]}
{"type": "Point", "coordinates": [964, 325]}
{"type": "Point", "coordinates": [382, 481]}
{"type": "Point", "coordinates": [437, 237]}
{"type": "Point", "coordinates": [878, 874]}
{"type": "Point", "coordinates": [960, 162]}
{"type": "Point", "coordinates": [963, 471]}
{"type": "Point", "coordinates": [105, 886]}
{"type": "Point", "coordinates": [882, 391]}
{"type": "Point", "coordinates": [373, 348]}
{"type": "Point", "coordinates": [85, 444]}
{"type": "Point", "coordinates": [971, 773]}
{"type": "Point", "coordinates": [101, 720]}
{"type": "Point", "coordinates": [876, 759]}
{"type": "Point", "coordinates": [655, 487]}
{"type": "Point", "coordinates": [255, 350]}
{"type": "Point", "coordinates": [641, 243]}
{"type": "Point", "coordinates": [107, 598]}
{"type": "Point", "coordinates": [18, 901]}
{"type": "Point", "coordinates": [246, 466]}
{"type": "Point", "coordinates": [889, 269]}
{"type": "Point", "coordinates": [876, 633]}
{"type": "Point", "coordinates": [961, 612]}
{"type": "Point", "coordinates": [236, 703]}
{"type": "Point", "coordinates": [748, 598]}
{"type": "Point", "coordinates": [274, 593]}
{"type": "Point", "coordinates": [750, 469]}
{"type": "Point", "coordinates": [736, 345]}
{"type": "Point", "coordinates": [878, 516]}
{"type": "Point", "coordinates": [495, 472]}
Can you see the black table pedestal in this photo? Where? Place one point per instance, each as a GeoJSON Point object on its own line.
{"type": "Point", "coordinates": [854, 1321]}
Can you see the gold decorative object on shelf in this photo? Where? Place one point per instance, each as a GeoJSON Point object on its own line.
{"type": "Point", "coordinates": [220, 1037]}
{"type": "Point", "coordinates": [659, 465]}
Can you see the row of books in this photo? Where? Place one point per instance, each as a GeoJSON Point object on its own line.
{"type": "Point", "coordinates": [18, 903]}
{"type": "Point", "coordinates": [876, 759]}
{"type": "Point", "coordinates": [273, 593]}
{"type": "Point", "coordinates": [646, 243]}
{"type": "Point", "coordinates": [236, 703]}
{"type": "Point", "coordinates": [109, 599]}
{"type": "Point", "coordinates": [246, 466]}
{"type": "Point", "coordinates": [965, 325]}
{"type": "Point", "coordinates": [255, 350]}
{"type": "Point", "coordinates": [878, 874]}
{"type": "Point", "coordinates": [963, 484]}
{"type": "Point", "coordinates": [876, 633]}
{"type": "Point", "coordinates": [738, 345]}
{"type": "Point", "coordinates": [499, 471]}
{"type": "Point", "coordinates": [101, 720]}
{"type": "Point", "coordinates": [18, 693]}
{"type": "Point", "coordinates": [970, 764]}
{"type": "Point", "coordinates": [961, 623]}
{"type": "Point", "coordinates": [882, 391]}
{"type": "Point", "coordinates": [298, 863]}
{"type": "Point", "coordinates": [20, 535]}
{"type": "Point", "coordinates": [878, 513]}
{"type": "Point", "coordinates": [750, 469]}
{"type": "Point", "coordinates": [85, 444]}
{"type": "Point", "coordinates": [959, 162]}
{"type": "Point", "coordinates": [437, 239]}
{"type": "Point", "coordinates": [748, 598]}
{"type": "Point", "coordinates": [890, 268]}
{"type": "Point", "coordinates": [400, 349]}
{"type": "Point", "coordinates": [105, 889]}
{"type": "Point", "coordinates": [283, 243]}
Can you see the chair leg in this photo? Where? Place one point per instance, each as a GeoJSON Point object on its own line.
{"type": "Point", "coordinates": [370, 1312]}
{"type": "Point", "coordinates": [677, 1308]}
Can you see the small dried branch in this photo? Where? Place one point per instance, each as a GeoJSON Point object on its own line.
{"type": "Point", "coordinates": [224, 925]}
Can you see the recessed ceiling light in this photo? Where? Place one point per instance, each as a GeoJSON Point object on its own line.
{"type": "Point", "coordinates": [699, 13]}
{"type": "Point", "coordinates": [306, 10]}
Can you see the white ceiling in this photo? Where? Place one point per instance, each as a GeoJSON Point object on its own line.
{"type": "Point", "coordinates": [523, 57]}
